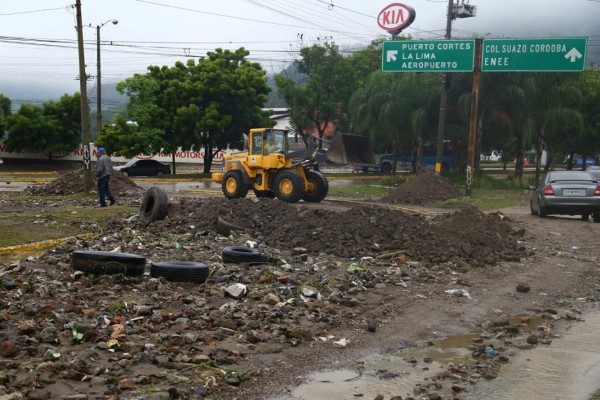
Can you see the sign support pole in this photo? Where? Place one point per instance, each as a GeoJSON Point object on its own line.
{"type": "Point", "coordinates": [474, 113]}
{"type": "Point", "coordinates": [443, 101]}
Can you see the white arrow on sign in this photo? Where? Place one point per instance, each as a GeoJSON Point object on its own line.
{"type": "Point", "coordinates": [391, 55]}
{"type": "Point", "coordinates": [573, 54]}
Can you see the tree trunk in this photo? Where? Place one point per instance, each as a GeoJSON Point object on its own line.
{"type": "Point", "coordinates": [173, 161]}
{"type": "Point", "coordinates": [208, 158]}
{"type": "Point", "coordinates": [478, 142]}
{"type": "Point", "coordinates": [538, 154]}
{"type": "Point", "coordinates": [519, 158]}
{"type": "Point", "coordinates": [417, 159]}
{"type": "Point", "coordinates": [394, 152]}
{"type": "Point", "coordinates": [570, 161]}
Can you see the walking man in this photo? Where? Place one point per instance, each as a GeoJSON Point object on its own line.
{"type": "Point", "coordinates": [104, 169]}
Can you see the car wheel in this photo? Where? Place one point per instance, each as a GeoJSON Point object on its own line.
{"type": "Point", "coordinates": [108, 262]}
{"type": "Point", "coordinates": [386, 168]}
{"type": "Point", "coordinates": [596, 216]}
{"type": "Point", "coordinates": [154, 206]}
{"type": "Point", "coordinates": [240, 254]}
{"type": "Point", "coordinates": [541, 210]}
{"type": "Point", "coordinates": [585, 216]}
{"type": "Point", "coordinates": [180, 271]}
{"type": "Point", "coordinates": [125, 173]}
{"type": "Point", "coordinates": [533, 211]}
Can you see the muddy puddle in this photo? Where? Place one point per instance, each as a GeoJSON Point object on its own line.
{"type": "Point", "coordinates": [568, 368]}
{"type": "Point", "coordinates": [14, 257]}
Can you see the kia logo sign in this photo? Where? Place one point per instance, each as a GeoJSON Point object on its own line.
{"type": "Point", "coordinates": [395, 17]}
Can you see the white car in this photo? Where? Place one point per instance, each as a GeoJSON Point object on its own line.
{"type": "Point", "coordinates": [495, 155]}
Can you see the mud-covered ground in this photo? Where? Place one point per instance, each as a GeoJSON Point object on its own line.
{"type": "Point", "coordinates": [334, 286]}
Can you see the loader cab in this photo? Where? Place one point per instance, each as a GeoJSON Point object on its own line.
{"type": "Point", "coordinates": [268, 141]}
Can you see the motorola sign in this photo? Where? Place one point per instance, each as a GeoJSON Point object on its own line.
{"type": "Point", "coordinates": [395, 17]}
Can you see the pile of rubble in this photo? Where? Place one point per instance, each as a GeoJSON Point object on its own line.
{"type": "Point", "coordinates": [425, 188]}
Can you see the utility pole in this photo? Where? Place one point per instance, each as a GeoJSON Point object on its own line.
{"type": "Point", "coordinates": [85, 129]}
{"type": "Point", "coordinates": [98, 84]}
{"type": "Point", "coordinates": [473, 121]}
{"type": "Point", "coordinates": [99, 76]}
{"type": "Point", "coordinates": [443, 100]}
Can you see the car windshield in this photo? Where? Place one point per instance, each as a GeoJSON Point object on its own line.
{"type": "Point", "coordinates": [570, 176]}
{"type": "Point", "coordinates": [130, 162]}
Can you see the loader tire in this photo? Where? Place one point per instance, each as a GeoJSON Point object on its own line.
{"type": "Point", "coordinates": [289, 186]}
{"type": "Point", "coordinates": [233, 185]}
{"type": "Point", "coordinates": [108, 263]}
{"type": "Point", "coordinates": [154, 206]}
{"type": "Point", "coordinates": [180, 271]}
{"type": "Point", "coordinates": [264, 194]}
{"type": "Point", "coordinates": [241, 254]}
{"type": "Point", "coordinates": [317, 187]}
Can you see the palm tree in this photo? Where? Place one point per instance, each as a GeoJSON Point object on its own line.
{"type": "Point", "coordinates": [396, 109]}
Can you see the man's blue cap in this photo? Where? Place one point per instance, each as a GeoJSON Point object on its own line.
{"type": "Point", "coordinates": [101, 150]}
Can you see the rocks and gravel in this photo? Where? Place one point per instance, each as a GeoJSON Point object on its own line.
{"type": "Point", "coordinates": [327, 274]}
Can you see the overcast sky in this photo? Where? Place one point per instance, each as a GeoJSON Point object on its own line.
{"type": "Point", "coordinates": [38, 40]}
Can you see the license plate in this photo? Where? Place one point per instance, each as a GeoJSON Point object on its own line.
{"type": "Point", "coordinates": [574, 192]}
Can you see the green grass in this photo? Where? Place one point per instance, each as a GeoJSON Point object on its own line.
{"type": "Point", "coordinates": [488, 193]}
{"type": "Point", "coordinates": [369, 191]}
{"type": "Point", "coordinates": [48, 221]}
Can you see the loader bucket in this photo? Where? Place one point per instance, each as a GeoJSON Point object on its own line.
{"type": "Point", "coordinates": [351, 149]}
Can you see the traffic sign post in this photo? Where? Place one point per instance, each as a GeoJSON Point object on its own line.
{"type": "Point", "coordinates": [547, 54]}
{"type": "Point", "coordinates": [428, 56]}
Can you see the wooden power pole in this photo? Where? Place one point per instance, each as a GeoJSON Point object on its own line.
{"type": "Point", "coordinates": [85, 128]}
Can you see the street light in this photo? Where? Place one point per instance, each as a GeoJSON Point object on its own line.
{"type": "Point", "coordinates": [99, 76]}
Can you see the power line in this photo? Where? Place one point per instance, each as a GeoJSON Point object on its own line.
{"type": "Point", "coordinates": [35, 11]}
{"type": "Point", "coordinates": [330, 4]}
{"type": "Point", "coordinates": [277, 11]}
{"type": "Point", "coordinates": [227, 16]}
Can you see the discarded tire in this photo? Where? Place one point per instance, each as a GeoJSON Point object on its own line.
{"type": "Point", "coordinates": [180, 271]}
{"type": "Point", "coordinates": [241, 254]}
{"type": "Point", "coordinates": [154, 206]}
{"type": "Point", "coordinates": [108, 262]}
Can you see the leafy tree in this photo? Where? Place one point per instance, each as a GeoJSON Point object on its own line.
{"type": "Point", "coordinates": [205, 105]}
{"type": "Point", "coordinates": [5, 111]}
{"type": "Point", "coordinates": [51, 129]}
{"type": "Point", "coordinates": [324, 98]}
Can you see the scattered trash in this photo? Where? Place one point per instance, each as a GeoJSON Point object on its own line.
{"type": "Point", "coordinates": [250, 243]}
{"type": "Point", "coordinates": [341, 343]}
{"type": "Point", "coordinates": [353, 268]}
{"type": "Point", "coordinates": [491, 352]}
{"type": "Point", "coordinates": [459, 293]}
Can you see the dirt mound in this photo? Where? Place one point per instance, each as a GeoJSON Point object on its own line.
{"type": "Point", "coordinates": [468, 234]}
{"type": "Point", "coordinates": [72, 183]}
{"type": "Point", "coordinates": [425, 188]}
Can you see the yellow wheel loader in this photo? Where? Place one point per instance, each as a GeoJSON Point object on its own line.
{"type": "Point", "coordinates": [271, 171]}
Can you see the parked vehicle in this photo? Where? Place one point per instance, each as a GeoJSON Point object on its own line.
{"type": "Point", "coordinates": [578, 161]}
{"type": "Point", "coordinates": [494, 156]}
{"type": "Point", "coordinates": [136, 167]}
{"type": "Point", "coordinates": [569, 193]}
{"type": "Point", "coordinates": [449, 162]}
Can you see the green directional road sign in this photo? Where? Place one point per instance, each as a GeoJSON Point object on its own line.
{"type": "Point", "coordinates": [548, 54]}
{"type": "Point", "coordinates": [428, 56]}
